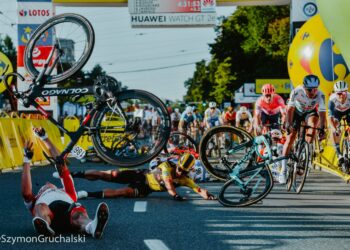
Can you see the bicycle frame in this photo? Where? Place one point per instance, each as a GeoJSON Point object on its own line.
{"type": "Point", "coordinates": [234, 173]}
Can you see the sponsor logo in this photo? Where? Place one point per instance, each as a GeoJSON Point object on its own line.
{"type": "Point", "coordinates": [54, 92]}
{"type": "Point", "coordinates": [208, 3]}
{"type": "Point", "coordinates": [35, 13]}
{"type": "Point", "coordinates": [310, 9]}
{"type": "Point", "coordinates": [25, 31]}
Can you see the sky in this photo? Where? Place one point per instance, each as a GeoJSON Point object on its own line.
{"type": "Point", "coordinates": [158, 60]}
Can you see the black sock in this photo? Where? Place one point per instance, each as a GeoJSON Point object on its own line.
{"type": "Point", "coordinates": [337, 148]}
{"type": "Point", "coordinates": [78, 174]}
{"type": "Point", "coordinates": [98, 194]}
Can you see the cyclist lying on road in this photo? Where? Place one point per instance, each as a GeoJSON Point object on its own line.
{"type": "Point", "coordinates": [54, 209]}
{"type": "Point", "coordinates": [166, 177]}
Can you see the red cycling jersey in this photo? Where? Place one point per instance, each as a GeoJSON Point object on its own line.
{"type": "Point", "coordinates": [274, 107]}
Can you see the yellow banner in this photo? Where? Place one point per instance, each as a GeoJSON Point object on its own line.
{"type": "Point", "coordinates": [4, 61]}
{"type": "Point", "coordinates": [282, 86]}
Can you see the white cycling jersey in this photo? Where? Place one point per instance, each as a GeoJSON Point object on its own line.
{"type": "Point", "coordinates": [303, 103]}
{"type": "Point", "coordinates": [212, 115]}
{"type": "Point", "coordinates": [246, 115]}
{"type": "Point", "coordinates": [335, 105]}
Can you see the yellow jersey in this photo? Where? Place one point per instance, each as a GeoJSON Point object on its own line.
{"type": "Point", "coordinates": [167, 170]}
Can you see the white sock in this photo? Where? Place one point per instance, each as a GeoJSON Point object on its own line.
{"type": "Point", "coordinates": [284, 166]}
{"type": "Point", "coordinates": [88, 228]}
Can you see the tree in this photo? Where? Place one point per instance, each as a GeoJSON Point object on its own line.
{"type": "Point", "coordinates": [252, 43]}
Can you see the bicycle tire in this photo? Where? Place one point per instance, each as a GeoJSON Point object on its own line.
{"type": "Point", "coordinates": [231, 194]}
{"type": "Point", "coordinates": [144, 148]}
{"type": "Point", "coordinates": [345, 148]}
{"type": "Point", "coordinates": [301, 167]}
{"type": "Point", "coordinates": [219, 171]}
{"type": "Point", "coordinates": [191, 141]}
{"type": "Point", "coordinates": [46, 28]}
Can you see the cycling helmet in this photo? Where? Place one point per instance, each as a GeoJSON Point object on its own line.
{"type": "Point", "coordinates": [186, 161]}
{"type": "Point", "coordinates": [268, 89]}
{"type": "Point", "coordinates": [276, 134]}
{"type": "Point", "coordinates": [243, 109]}
{"type": "Point", "coordinates": [177, 110]}
{"type": "Point", "coordinates": [340, 86]}
{"type": "Point", "coordinates": [212, 104]}
{"type": "Point", "coordinates": [188, 110]}
{"type": "Point", "coordinates": [311, 81]}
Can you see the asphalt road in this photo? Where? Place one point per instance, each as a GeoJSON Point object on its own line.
{"type": "Point", "coordinates": [319, 218]}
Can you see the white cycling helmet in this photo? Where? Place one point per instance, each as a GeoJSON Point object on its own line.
{"type": "Point", "coordinates": [188, 110]}
{"type": "Point", "coordinates": [243, 109]}
{"type": "Point", "coordinates": [177, 110]}
{"type": "Point", "coordinates": [212, 104]}
{"type": "Point", "coordinates": [340, 86]}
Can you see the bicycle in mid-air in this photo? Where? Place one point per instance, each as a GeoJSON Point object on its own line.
{"type": "Point", "coordinates": [114, 119]}
{"type": "Point", "coordinates": [247, 180]}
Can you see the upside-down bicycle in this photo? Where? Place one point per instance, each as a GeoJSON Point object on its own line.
{"type": "Point", "coordinates": [114, 119]}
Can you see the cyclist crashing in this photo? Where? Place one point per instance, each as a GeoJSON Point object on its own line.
{"type": "Point", "coordinates": [269, 109]}
{"type": "Point", "coordinates": [339, 108]}
{"type": "Point", "coordinates": [307, 104]}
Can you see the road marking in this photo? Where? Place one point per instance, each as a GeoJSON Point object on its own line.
{"type": "Point", "coordinates": [140, 206]}
{"type": "Point", "coordinates": [156, 245]}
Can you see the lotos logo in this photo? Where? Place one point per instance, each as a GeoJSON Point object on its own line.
{"type": "Point", "coordinates": [35, 13]}
{"type": "Point", "coordinates": [22, 13]}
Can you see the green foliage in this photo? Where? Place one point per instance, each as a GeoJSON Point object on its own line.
{"type": "Point", "coordinates": [252, 43]}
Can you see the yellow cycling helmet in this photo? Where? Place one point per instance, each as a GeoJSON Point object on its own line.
{"type": "Point", "coordinates": [186, 161]}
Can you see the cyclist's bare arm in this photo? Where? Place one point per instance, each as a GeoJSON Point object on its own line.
{"type": "Point", "coordinates": [26, 179]}
{"type": "Point", "coordinates": [323, 119]}
{"type": "Point", "coordinates": [290, 115]}
{"type": "Point", "coordinates": [170, 186]}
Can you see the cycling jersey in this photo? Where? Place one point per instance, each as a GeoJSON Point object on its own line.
{"type": "Point", "coordinates": [335, 106]}
{"type": "Point", "coordinates": [187, 118]}
{"type": "Point", "coordinates": [274, 107]}
{"type": "Point", "coordinates": [305, 104]}
{"type": "Point", "coordinates": [175, 116]}
{"type": "Point", "coordinates": [212, 115]}
{"type": "Point", "coordinates": [61, 202]}
{"type": "Point", "coordinates": [230, 116]}
{"type": "Point", "coordinates": [168, 170]}
{"type": "Point", "coordinates": [241, 116]}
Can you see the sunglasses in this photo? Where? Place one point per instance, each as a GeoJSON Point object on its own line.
{"type": "Point", "coordinates": [212, 108]}
{"type": "Point", "coordinates": [268, 96]}
{"type": "Point", "coordinates": [341, 93]}
{"type": "Point", "coordinates": [311, 89]}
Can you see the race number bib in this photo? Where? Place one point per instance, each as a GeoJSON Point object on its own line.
{"type": "Point", "coordinates": [78, 152]}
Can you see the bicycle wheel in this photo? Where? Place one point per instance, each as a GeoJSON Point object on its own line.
{"type": "Point", "coordinates": [257, 183]}
{"type": "Point", "coordinates": [301, 167]}
{"type": "Point", "coordinates": [214, 148]}
{"type": "Point", "coordinates": [72, 39]}
{"type": "Point", "coordinates": [131, 147]}
{"type": "Point", "coordinates": [179, 143]}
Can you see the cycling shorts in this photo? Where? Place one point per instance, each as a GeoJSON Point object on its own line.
{"type": "Point", "coordinates": [213, 122]}
{"type": "Point", "coordinates": [339, 115]}
{"type": "Point", "coordinates": [273, 120]}
{"type": "Point", "coordinates": [136, 180]}
{"type": "Point", "coordinates": [242, 122]}
{"type": "Point", "coordinates": [300, 117]}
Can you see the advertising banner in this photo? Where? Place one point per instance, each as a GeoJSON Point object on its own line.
{"type": "Point", "coordinates": [282, 86]}
{"type": "Point", "coordinates": [301, 11]}
{"type": "Point", "coordinates": [158, 13]}
{"type": "Point", "coordinates": [4, 62]}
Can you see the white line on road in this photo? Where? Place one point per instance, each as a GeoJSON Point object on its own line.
{"type": "Point", "coordinates": [140, 206]}
{"type": "Point", "coordinates": [156, 245]}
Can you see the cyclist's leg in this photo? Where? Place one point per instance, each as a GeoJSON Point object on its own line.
{"type": "Point", "coordinates": [312, 121]}
{"type": "Point", "coordinates": [336, 136]}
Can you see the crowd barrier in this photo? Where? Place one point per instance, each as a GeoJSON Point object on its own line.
{"type": "Point", "coordinates": [72, 123]}
{"type": "Point", "coordinates": [15, 130]}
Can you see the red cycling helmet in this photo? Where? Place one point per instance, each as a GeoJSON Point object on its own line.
{"type": "Point", "coordinates": [268, 89]}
